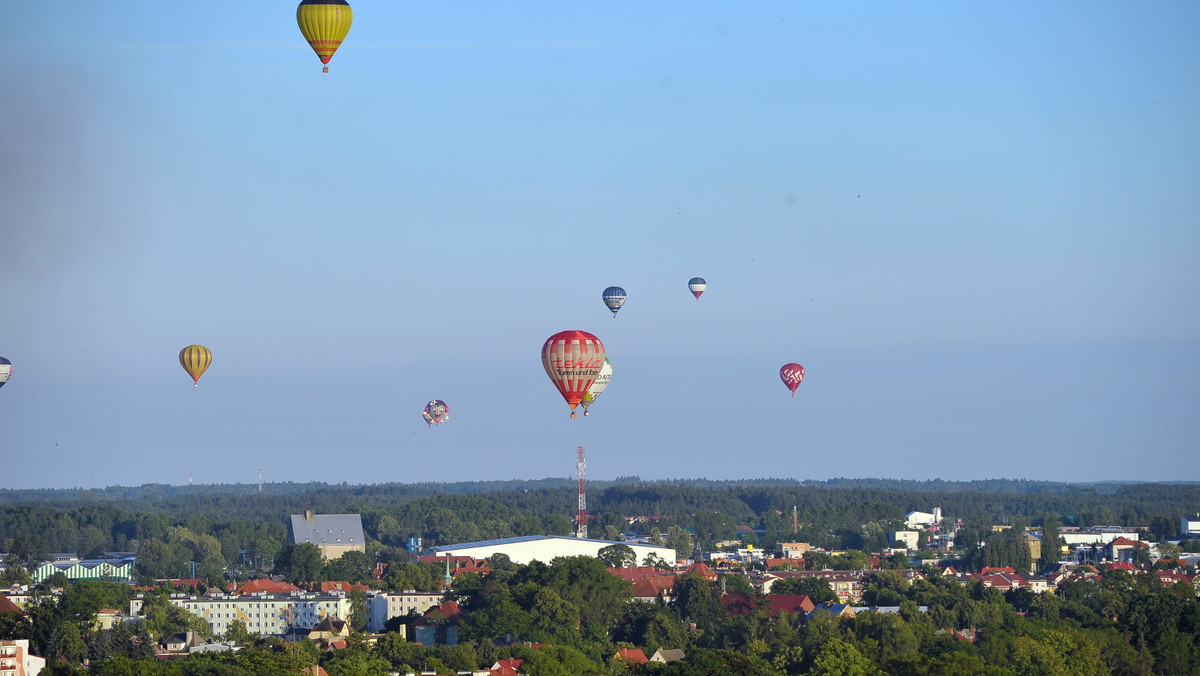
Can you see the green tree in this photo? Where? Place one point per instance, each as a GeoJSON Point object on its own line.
{"type": "Point", "coordinates": [815, 588]}
{"type": "Point", "coordinates": [301, 563]}
{"type": "Point", "coordinates": [839, 658]}
{"type": "Point", "coordinates": [238, 633]}
{"type": "Point", "coordinates": [617, 556]}
{"type": "Point", "coordinates": [681, 541]}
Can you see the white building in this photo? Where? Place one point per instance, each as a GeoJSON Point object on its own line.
{"type": "Point", "coordinates": [905, 539]}
{"type": "Point", "coordinates": [923, 519]}
{"type": "Point", "coordinates": [1099, 535]}
{"type": "Point", "coordinates": [262, 613]}
{"type": "Point", "coordinates": [383, 607]}
{"type": "Point", "coordinates": [545, 548]}
{"type": "Point", "coordinates": [1189, 526]}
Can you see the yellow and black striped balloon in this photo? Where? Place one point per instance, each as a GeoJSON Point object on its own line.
{"type": "Point", "coordinates": [195, 360]}
{"type": "Point", "coordinates": [324, 23]}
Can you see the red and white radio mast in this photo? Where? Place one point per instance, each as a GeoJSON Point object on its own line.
{"type": "Point", "coordinates": [581, 470]}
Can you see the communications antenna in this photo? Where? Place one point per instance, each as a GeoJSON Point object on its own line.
{"type": "Point", "coordinates": [260, 480]}
{"type": "Point", "coordinates": [581, 470]}
{"type": "Point", "coordinates": [189, 478]}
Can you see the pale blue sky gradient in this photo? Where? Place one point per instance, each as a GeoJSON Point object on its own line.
{"type": "Point", "coordinates": [975, 224]}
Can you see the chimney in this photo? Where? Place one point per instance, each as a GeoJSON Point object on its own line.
{"type": "Point", "coordinates": [309, 515]}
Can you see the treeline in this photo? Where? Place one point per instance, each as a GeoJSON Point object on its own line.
{"type": "Point", "coordinates": [250, 528]}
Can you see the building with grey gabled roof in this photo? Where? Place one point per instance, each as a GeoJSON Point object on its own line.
{"type": "Point", "coordinates": [333, 534]}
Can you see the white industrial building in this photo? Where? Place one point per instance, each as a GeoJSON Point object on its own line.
{"type": "Point", "coordinates": [1189, 526]}
{"type": "Point", "coordinates": [923, 519]}
{"type": "Point", "coordinates": [545, 548]}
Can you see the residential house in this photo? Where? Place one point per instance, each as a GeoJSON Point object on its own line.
{"type": "Point", "coordinates": [631, 655]}
{"type": "Point", "coordinates": [905, 539]}
{"type": "Point", "coordinates": [180, 642]}
{"type": "Point", "coordinates": [742, 604]}
{"type": "Point", "coordinates": [329, 630]}
{"type": "Point", "coordinates": [662, 656]}
{"type": "Point", "coordinates": [507, 667]}
{"type": "Point", "coordinates": [439, 626]}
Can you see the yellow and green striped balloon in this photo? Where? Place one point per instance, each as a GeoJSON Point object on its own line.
{"type": "Point", "coordinates": [195, 360]}
{"type": "Point", "coordinates": [324, 23]}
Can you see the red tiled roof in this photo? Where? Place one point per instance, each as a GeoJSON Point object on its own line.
{"type": "Point", "coordinates": [742, 604]}
{"type": "Point", "coordinates": [265, 585]}
{"type": "Point", "coordinates": [631, 655]}
{"type": "Point", "coordinates": [652, 587]}
{"type": "Point", "coordinates": [449, 610]}
{"type": "Point", "coordinates": [7, 606]}
{"type": "Point", "coordinates": [703, 571]}
{"type": "Point", "coordinates": [1122, 542]}
{"type": "Point", "coordinates": [507, 667]}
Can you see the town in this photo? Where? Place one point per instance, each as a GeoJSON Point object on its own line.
{"type": "Point", "coordinates": [650, 595]}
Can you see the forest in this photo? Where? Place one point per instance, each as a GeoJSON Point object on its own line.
{"type": "Point", "coordinates": [235, 527]}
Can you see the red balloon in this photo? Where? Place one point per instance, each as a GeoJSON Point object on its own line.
{"type": "Point", "coordinates": [573, 360]}
{"type": "Point", "coordinates": [792, 375]}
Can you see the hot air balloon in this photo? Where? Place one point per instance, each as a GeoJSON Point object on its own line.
{"type": "Point", "coordinates": [5, 370]}
{"type": "Point", "coordinates": [614, 298]}
{"type": "Point", "coordinates": [598, 386]}
{"type": "Point", "coordinates": [697, 285]}
{"type": "Point", "coordinates": [195, 359]}
{"type": "Point", "coordinates": [324, 23]}
{"type": "Point", "coordinates": [573, 360]}
{"type": "Point", "coordinates": [792, 375]}
{"type": "Point", "coordinates": [436, 412]}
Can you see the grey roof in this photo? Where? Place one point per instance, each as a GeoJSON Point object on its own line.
{"type": "Point", "coordinates": [328, 529]}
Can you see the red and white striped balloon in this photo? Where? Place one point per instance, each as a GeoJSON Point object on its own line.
{"type": "Point", "coordinates": [573, 360]}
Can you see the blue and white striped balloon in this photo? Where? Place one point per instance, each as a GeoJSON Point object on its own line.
{"type": "Point", "coordinates": [614, 298]}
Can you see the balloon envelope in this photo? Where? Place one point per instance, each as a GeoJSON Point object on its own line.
{"type": "Point", "coordinates": [5, 370]}
{"type": "Point", "coordinates": [195, 360]}
{"type": "Point", "coordinates": [436, 411]}
{"type": "Point", "coordinates": [598, 386]}
{"type": "Point", "coordinates": [573, 360]}
{"type": "Point", "coordinates": [614, 298]}
{"type": "Point", "coordinates": [324, 23]}
{"type": "Point", "coordinates": [697, 285]}
{"type": "Point", "coordinates": [792, 375]}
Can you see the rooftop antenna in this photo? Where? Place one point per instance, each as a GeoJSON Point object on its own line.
{"type": "Point", "coordinates": [582, 517]}
{"type": "Point", "coordinates": [260, 480]}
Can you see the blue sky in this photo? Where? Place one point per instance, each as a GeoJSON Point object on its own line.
{"type": "Point", "coordinates": [975, 224]}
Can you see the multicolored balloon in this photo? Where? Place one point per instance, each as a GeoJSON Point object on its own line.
{"type": "Point", "coordinates": [792, 375]}
{"type": "Point", "coordinates": [324, 23]}
{"type": "Point", "coordinates": [195, 359]}
{"type": "Point", "coordinates": [597, 386]}
{"type": "Point", "coordinates": [573, 360]}
{"type": "Point", "coordinates": [697, 285]}
{"type": "Point", "coordinates": [436, 412]}
{"type": "Point", "coordinates": [614, 298]}
{"type": "Point", "coordinates": [5, 370]}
